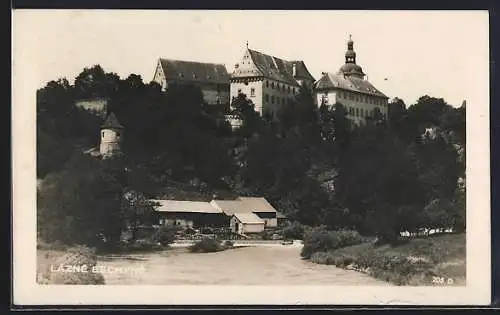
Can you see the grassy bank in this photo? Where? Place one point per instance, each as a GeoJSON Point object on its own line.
{"type": "Point", "coordinates": [61, 265]}
{"type": "Point", "coordinates": [429, 261]}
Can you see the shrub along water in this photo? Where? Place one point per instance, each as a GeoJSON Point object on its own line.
{"type": "Point", "coordinates": [414, 263]}
{"type": "Point", "coordinates": [207, 245]}
{"type": "Point", "coordinates": [321, 240]}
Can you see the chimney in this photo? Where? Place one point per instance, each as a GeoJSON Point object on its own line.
{"type": "Point", "coordinates": [294, 70]}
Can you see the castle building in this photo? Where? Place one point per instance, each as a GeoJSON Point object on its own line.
{"type": "Point", "coordinates": [269, 82]}
{"type": "Point", "coordinates": [349, 87]}
{"type": "Point", "coordinates": [211, 78]}
{"type": "Point", "coordinates": [111, 136]}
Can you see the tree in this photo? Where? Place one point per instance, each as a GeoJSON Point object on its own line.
{"type": "Point", "coordinates": [94, 82]}
{"type": "Point", "coordinates": [341, 126]}
{"type": "Point", "coordinates": [82, 204]}
{"type": "Point", "coordinates": [378, 183]}
{"type": "Point", "coordinates": [243, 109]}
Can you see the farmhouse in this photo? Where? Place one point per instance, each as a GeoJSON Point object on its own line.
{"type": "Point", "coordinates": [244, 223]}
{"type": "Point", "coordinates": [257, 205]}
{"type": "Point", "coordinates": [242, 215]}
{"type": "Point", "coordinates": [193, 214]}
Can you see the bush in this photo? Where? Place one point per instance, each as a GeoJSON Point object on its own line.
{"type": "Point", "coordinates": [293, 231]}
{"type": "Point", "coordinates": [321, 240]}
{"type": "Point", "coordinates": [228, 243]}
{"type": "Point", "coordinates": [266, 235]}
{"type": "Point", "coordinates": [165, 234]}
{"type": "Point", "coordinates": [206, 245]}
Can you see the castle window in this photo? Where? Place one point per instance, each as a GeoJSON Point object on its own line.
{"type": "Point", "coordinates": [293, 90]}
{"type": "Point", "coordinates": [283, 88]}
{"type": "Point", "coordinates": [103, 134]}
{"type": "Point", "coordinates": [267, 84]}
{"type": "Point", "coordinates": [272, 99]}
{"type": "Point", "coordinates": [357, 111]}
{"type": "Point", "coordinates": [266, 97]}
{"type": "Point", "coordinates": [118, 135]}
{"type": "Point", "coordinates": [239, 91]}
{"type": "Point", "coordinates": [362, 112]}
{"type": "Point", "coordinates": [272, 85]}
{"type": "Point", "coordinates": [252, 92]}
{"type": "Point", "coordinates": [278, 100]}
{"type": "Point", "coordinates": [288, 89]}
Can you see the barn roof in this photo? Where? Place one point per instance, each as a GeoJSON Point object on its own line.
{"type": "Point", "coordinates": [257, 204]}
{"type": "Point", "coordinates": [185, 206]}
{"type": "Point", "coordinates": [248, 218]}
{"type": "Point", "coordinates": [194, 71]}
{"type": "Point", "coordinates": [243, 205]}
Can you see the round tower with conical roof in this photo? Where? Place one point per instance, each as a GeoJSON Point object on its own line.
{"type": "Point", "coordinates": [111, 136]}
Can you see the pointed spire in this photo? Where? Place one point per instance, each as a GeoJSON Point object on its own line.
{"type": "Point", "coordinates": [247, 44]}
{"type": "Point", "coordinates": [112, 122]}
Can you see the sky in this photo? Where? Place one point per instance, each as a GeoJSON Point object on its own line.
{"type": "Point", "coordinates": [405, 54]}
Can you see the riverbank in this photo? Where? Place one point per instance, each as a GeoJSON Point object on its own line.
{"type": "Point", "coordinates": [67, 265]}
{"type": "Point", "coordinates": [242, 265]}
{"type": "Point", "coordinates": [437, 260]}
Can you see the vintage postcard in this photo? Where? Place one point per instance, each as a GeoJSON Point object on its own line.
{"type": "Point", "coordinates": [251, 157]}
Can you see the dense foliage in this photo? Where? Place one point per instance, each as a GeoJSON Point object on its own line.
{"type": "Point", "coordinates": [389, 176]}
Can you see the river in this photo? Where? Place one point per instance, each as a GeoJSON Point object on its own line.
{"type": "Point", "coordinates": [252, 265]}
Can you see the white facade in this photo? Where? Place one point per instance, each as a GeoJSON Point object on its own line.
{"type": "Point", "coordinates": [358, 106]}
{"type": "Point", "coordinates": [269, 85]}
{"type": "Point", "coordinates": [266, 94]}
{"type": "Point", "coordinates": [244, 228]}
{"type": "Point", "coordinates": [110, 141]}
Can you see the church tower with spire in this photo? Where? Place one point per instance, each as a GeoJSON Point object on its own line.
{"type": "Point", "coordinates": [350, 68]}
{"type": "Point", "coordinates": [349, 87]}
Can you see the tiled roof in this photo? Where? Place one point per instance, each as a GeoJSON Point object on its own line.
{"type": "Point", "coordinates": [349, 83]}
{"type": "Point", "coordinates": [257, 204]}
{"type": "Point", "coordinates": [112, 122]}
{"type": "Point", "coordinates": [244, 205]}
{"type": "Point", "coordinates": [276, 68]}
{"type": "Point", "coordinates": [185, 206]}
{"type": "Point", "coordinates": [301, 70]}
{"type": "Point", "coordinates": [230, 207]}
{"type": "Point", "coordinates": [248, 218]}
{"type": "Point", "coordinates": [194, 71]}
